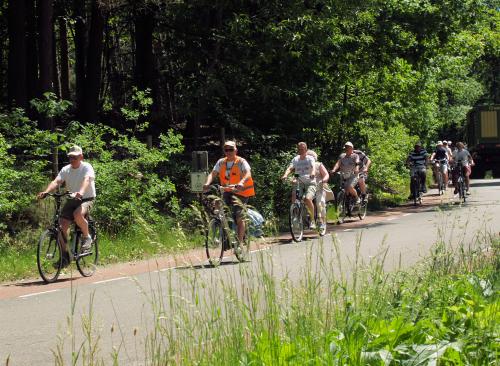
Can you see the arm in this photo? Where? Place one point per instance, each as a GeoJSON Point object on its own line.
{"type": "Point", "coordinates": [367, 165]}
{"type": "Point", "coordinates": [209, 180]}
{"type": "Point", "coordinates": [287, 172]}
{"type": "Point", "coordinates": [336, 166]}
{"type": "Point", "coordinates": [432, 156]}
{"type": "Point", "coordinates": [245, 177]}
{"type": "Point", "coordinates": [324, 174]}
{"type": "Point", "coordinates": [50, 187]}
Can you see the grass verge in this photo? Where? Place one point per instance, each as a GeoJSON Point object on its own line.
{"type": "Point", "coordinates": [443, 311]}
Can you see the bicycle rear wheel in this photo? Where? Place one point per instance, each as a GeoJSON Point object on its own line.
{"type": "Point", "coordinates": [87, 262]}
{"type": "Point", "coordinates": [296, 223]}
{"type": "Point", "coordinates": [214, 242]}
{"type": "Point", "coordinates": [49, 256]}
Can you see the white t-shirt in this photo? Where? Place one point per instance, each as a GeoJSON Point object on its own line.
{"type": "Point", "coordinates": [304, 168]}
{"type": "Point", "coordinates": [74, 178]}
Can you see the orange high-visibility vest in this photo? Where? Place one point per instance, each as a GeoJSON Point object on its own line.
{"type": "Point", "coordinates": [235, 175]}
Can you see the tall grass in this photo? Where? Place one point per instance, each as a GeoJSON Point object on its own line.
{"type": "Point", "coordinates": [442, 311]}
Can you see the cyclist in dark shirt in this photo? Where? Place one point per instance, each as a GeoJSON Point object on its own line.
{"type": "Point", "coordinates": [419, 159]}
{"type": "Point", "coordinates": [442, 155]}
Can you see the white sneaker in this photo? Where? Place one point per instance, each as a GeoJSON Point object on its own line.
{"type": "Point", "coordinates": [86, 244]}
{"type": "Point", "coordinates": [312, 225]}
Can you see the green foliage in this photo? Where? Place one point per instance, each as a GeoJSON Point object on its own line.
{"type": "Point", "coordinates": [388, 150]}
{"type": "Point", "coordinates": [128, 185]}
{"type": "Point", "coordinates": [50, 106]}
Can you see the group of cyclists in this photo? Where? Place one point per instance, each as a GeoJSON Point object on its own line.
{"type": "Point", "coordinates": [234, 172]}
{"type": "Point", "coordinates": [447, 157]}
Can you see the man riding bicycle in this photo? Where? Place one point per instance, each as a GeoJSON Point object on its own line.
{"type": "Point", "coordinates": [364, 165]}
{"type": "Point", "coordinates": [418, 159]}
{"type": "Point", "coordinates": [79, 178]}
{"type": "Point", "coordinates": [348, 164]}
{"type": "Point", "coordinates": [442, 155]}
{"type": "Point", "coordinates": [303, 166]}
{"type": "Point", "coordinates": [234, 171]}
{"type": "Point", "coordinates": [322, 178]}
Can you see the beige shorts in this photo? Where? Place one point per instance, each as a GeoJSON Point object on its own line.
{"type": "Point", "coordinates": [71, 205]}
{"type": "Point", "coordinates": [309, 189]}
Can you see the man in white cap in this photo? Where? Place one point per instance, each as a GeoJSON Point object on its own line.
{"type": "Point", "coordinates": [79, 178]}
{"type": "Point", "coordinates": [234, 171]}
{"type": "Point", "coordinates": [348, 165]}
{"type": "Point", "coordinates": [303, 166]}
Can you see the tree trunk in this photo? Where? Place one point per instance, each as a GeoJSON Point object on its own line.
{"type": "Point", "coordinates": [94, 58]}
{"type": "Point", "coordinates": [55, 67]}
{"type": "Point", "coordinates": [17, 54]}
{"type": "Point", "coordinates": [63, 59]}
{"type": "Point", "coordinates": [143, 36]}
{"type": "Point", "coordinates": [80, 61]}
{"type": "Point", "coordinates": [45, 46]}
{"type": "Point", "coordinates": [32, 86]}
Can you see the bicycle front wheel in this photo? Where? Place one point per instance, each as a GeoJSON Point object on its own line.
{"type": "Point", "coordinates": [296, 223]}
{"type": "Point", "coordinates": [214, 242]}
{"type": "Point", "coordinates": [49, 256]}
{"type": "Point", "coordinates": [461, 190]}
{"type": "Point", "coordinates": [363, 208]}
{"type": "Point", "coordinates": [242, 249]}
{"type": "Point", "coordinates": [87, 262]}
{"type": "Point", "coordinates": [341, 207]}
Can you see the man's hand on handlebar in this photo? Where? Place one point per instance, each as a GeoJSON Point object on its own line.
{"type": "Point", "coordinates": [41, 195]}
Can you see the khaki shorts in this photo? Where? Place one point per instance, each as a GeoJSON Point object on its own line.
{"type": "Point", "coordinates": [71, 205]}
{"type": "Point", "coordinates": [236, 208]}
{"type": "Point", "coordinates": [309, 189]}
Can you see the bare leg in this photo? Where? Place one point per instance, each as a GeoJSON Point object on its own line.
{"type": "Point", "coordinates": [79, 216]}
{"type": "Point", "coordinates": [63, 235]}
{"type": "Point", "coordinates": [310, 207]}
{"type": "Point", "coordinates": [241, 229]}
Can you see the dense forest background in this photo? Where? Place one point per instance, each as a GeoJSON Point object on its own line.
{"type": "Point", "coordinates": [141, 84]}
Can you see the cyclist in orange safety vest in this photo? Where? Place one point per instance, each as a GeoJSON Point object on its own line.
{"type": "Point", "coordinates": [233, 170]}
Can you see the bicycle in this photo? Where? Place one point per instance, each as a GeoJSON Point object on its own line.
{"type": "Point", "coordinates": [415, 185]}
{"type": "Point", "coordinates": [50, 251]}
{"type": "Point", "coordinates": [218, 236]}
{"type": "Point", "coordinates": [299, 215]}
{"type": "Point", "coordinates": [346, 203]}
{"type": "Point", "coordinates": [460, 184]}
{"type": "Point", "coordinates": [441, 185]}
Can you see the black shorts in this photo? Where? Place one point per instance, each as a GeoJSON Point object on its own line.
{"type": "Point", "coordinates": [71, 205]}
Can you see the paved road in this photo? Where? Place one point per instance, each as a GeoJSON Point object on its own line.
{"type": "Point", "coordinates": [36, 320]}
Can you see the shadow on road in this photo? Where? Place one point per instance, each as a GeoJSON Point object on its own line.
{"type": "Point", "coordinates": [36, 283]}
{"type": "Point", "coordinates": [209, 266]}
{"type": "Point", "coordinates": [492, 183]}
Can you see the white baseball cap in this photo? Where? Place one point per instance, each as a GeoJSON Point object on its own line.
{"type": "Point", "coordinates": [349, 143]}
{"type": "Point", "coordinates": [75, 150]}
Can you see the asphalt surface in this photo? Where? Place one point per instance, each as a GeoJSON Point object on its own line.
{"type": "Point", "coordinates": [38, 322]}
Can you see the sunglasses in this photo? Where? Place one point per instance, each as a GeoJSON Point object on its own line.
{"type": "Point", "coordinates": [227, 150]}
{"type": "Point", "coordinates": [72, 157]}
